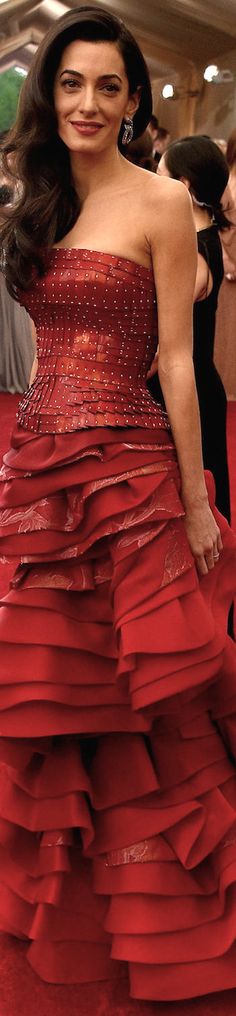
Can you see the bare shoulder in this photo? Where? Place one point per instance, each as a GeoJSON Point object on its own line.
{"type": "Point", "coordinates": [161, 195]}
{"type": "Point", "coordinates": [156, 190]}
{"type": "Point", "coordinates": [164, 203]}
{"type": "Point", "coordinates": [166, 196]}
{"type": "Point", "coordinates": [168, 214]}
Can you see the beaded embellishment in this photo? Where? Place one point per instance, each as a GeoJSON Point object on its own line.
{"type": "Point", "coordinates": [96, 322]}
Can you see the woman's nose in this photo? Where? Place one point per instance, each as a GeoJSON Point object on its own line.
{"type": "Point", "coordinates": [87, 101]}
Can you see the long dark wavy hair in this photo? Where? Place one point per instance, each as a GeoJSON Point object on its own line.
{"type": "Point", "coordinates": [199, 160]}
{"type": "Point", "coordinates": [48, 205]}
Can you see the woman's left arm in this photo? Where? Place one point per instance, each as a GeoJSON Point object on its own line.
{"type": "Point", "coordinates": [172, 238]}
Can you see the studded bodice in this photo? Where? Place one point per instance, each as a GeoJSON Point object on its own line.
{"type": "Point", "coordinates": [95, 316]}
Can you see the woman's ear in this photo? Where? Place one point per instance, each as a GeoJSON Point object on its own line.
{"type": "Point", "coordinates": [185, 181]}
{"type": "Point", "coordinates": [133, 103]}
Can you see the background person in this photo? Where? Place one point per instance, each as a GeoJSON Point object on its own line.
{"type": "Point", "coordinates": [201, 166]}
{"type": "Point", "coordinates": [17, 337]}
{"type": "Point", "coordinates": [153, 127]}
{"type": "Point", "coordinates": [226, 313]}
{"type": "Point", "coordinates": [161, 143]}
{"type": "Point", "coordinates": [140, 152]}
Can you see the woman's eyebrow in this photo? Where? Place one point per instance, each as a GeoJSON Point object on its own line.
{"type": "Point", "coordinates": [103, 77]}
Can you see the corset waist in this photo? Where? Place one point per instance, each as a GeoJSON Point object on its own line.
{"type": "Point", "coordinates": [57, 404]}
{"type": "Point", "coordinates": [95, 317]}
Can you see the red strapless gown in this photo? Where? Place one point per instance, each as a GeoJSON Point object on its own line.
{"type": "Point", "coordinates": [118, 679]}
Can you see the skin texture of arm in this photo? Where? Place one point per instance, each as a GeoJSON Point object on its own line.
{"type": "Point", "coordinates": [172, 239]}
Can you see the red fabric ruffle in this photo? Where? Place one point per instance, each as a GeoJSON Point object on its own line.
{"type": "Point", "coordinates": [118, 700]}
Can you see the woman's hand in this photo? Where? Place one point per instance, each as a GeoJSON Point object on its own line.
{"type": "Point", "coordinates": [203, 535]}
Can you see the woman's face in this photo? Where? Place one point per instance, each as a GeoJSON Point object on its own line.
{"type": "Point", "coordinates": [91, 96]}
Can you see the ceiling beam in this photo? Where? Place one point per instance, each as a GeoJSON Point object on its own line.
{"type": "Point", "coordinates": [7, 46]}
{"type": "Point", "coordinates": [166, 52]}
{"type": "Point", "coordinates": [215, 14]}
{"type": "Point", "coordinates": [16, 9]}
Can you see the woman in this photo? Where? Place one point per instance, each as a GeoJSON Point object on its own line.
{"type": "Point", "coordinates": [17, 352]}
{"type": "Point", "coordinates": [114, 631]}
{"type": "Point", "coordinates": [198, 162]}
{"type": "Point", "coordinates": [231, 160]}
{"type": "Point", "coordinates": [225, 322]}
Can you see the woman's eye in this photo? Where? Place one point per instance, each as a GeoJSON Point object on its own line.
{"type": "Point", "coordinates": [71, 82]}
{"type": "Point", "coordinates": [111, 88]}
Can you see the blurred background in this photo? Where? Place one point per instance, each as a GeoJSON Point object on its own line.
{"type": "Point", "coordinates": [181, 39]}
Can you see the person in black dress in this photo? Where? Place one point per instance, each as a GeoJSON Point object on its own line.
{"type": "Point", "coordinates": [201, 166]}
{"type": "Point", "coordinates": [211, 392]}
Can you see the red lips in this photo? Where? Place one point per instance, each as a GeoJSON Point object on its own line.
{"type": "Point", "coordinates": [85, 123]}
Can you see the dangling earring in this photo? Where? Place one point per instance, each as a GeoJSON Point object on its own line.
{"type": "Point", "coordinates": [128, 131]}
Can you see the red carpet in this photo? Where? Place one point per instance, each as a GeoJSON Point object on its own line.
{"type": "Point", "coordinates": [21, 990]}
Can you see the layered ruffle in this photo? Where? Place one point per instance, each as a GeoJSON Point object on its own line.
{"type": "Point", "coordinates": [118, 701]}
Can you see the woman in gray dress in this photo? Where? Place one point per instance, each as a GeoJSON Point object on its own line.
{"type": "Point", "coordinates": [16, 328]}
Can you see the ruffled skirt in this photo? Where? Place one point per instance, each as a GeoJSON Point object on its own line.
{"type": "Point", "coordinates": [117, 719]}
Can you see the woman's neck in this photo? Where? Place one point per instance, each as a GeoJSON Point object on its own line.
{"type": "Point", "coordinates": [91, 176]}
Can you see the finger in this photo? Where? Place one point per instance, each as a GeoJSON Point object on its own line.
{"type": "Point", "coordinates": [219, 543]}
{"type": "Point", "coordinates": [201, 565]}
{"type": "Point", "coordinates": [218, 547]}
{"type": "Point", "coordinates": [211, 559]}
{"type": "Point", "coordinates": [216, 556]}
